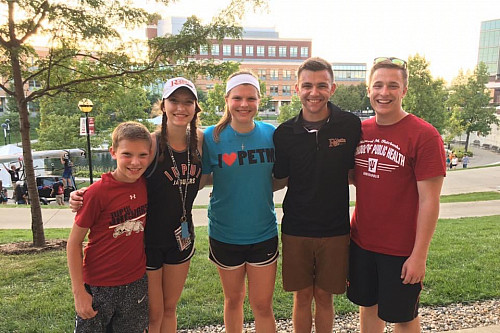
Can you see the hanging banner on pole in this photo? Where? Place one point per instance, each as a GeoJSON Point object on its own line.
{"type": "Point", "coordinates": [91, 126]}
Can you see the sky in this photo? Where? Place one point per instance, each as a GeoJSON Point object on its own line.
{"type": "Point", "coordinates": [445, 32]}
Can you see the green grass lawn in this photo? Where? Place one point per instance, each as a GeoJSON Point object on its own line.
{"type": "Point", "coordinates": [463, 266]}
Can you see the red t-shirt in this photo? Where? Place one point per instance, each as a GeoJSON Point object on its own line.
{"type": "Point", "coordinates": [389, 162]}
{"type": "Point", "coordinates": [115, 212]}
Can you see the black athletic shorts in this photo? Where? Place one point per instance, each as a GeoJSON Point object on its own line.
{"type": "Point", "coordinates": [119, 308]}
{"type": "Point", "coordinates": [157, 257]}
{"type": "Point", "coordinates": [231, 256]}
{"type": "Point", "coordinates": [375, 278]}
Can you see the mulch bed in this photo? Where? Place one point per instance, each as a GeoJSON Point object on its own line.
{"type": "Point", "coordinates": [28, 248]}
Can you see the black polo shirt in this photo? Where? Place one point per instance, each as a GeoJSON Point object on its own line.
{"type": "Point", "coordinates": [317, 165]}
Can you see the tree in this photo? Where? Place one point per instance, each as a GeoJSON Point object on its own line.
{"type": "Point", "coordinates": [213, 104]}
{"type": "Point", "coordinates": [288, 111]}
{"type": "Point", "coordinates": [350, 98]}
{"type": "Point", "coordinates": [426, 97]}
{"type": "Point", "coordinates": [470, 100]}
{"type": "Point", "coordinates": [265, 100]}
{"type": "Point", "coordinates": [60, 116]}
{"type": "Point", "coordinates": [85, 45]}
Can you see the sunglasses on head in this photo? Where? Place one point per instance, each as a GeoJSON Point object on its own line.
{"type": "Point", "coordinates": [396, 61]}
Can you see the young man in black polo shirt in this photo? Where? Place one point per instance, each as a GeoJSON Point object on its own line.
{"type": "Point", "coordinates": [314, 152]}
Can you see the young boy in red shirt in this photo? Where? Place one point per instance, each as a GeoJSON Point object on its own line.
{"type": "Point", "coordinates": [109, 281]}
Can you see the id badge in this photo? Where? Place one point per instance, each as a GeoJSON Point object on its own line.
{"type": "Point", "coordinates": [184, 230]}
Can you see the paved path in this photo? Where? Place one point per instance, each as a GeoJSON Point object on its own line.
{"type": "Point", "coordinates": [459, 181]}
{"type": "Point", "coordinates": [20, 218]}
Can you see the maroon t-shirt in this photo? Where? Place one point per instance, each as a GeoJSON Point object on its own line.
{"type": "Point", "coordinates": [389, 162]}
{"type": "Point", "coordinates": [115, 212]}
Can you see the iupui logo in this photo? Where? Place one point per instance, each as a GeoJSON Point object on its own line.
{"type": "Point", "coordinates": [372, 165]}
{"type": "Point", "coordinates": [335, 142]}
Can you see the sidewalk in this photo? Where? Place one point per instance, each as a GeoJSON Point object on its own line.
{"type": "Point", "coordinates": [20, 218]}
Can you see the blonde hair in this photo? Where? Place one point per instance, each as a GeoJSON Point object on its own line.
{"type": "Point", "coordinates": [226, 118]}
{"type": "Point", "coordinates": [130, 130]}
{"type": "Point", "coordinates": [389, 64]}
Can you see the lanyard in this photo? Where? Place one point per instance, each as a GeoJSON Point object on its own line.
{"type": "Point", "coordinates": [178, 174]}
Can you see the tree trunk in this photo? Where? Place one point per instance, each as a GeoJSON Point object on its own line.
{"type": "Point", "coordinates": [467, 141]}
{"type": "Point", "coordinates": [22, 104]}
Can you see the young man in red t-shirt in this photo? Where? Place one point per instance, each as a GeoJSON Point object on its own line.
{"type": "Point", "coordinates": [400, 165]}
{"type": "Point", "coordinates": [109, 282]}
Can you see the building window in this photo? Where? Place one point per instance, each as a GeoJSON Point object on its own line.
{"type": "Point", "coordinates": [271, 51]}
{"type": "Point", "coordinates": [34, 85]}
{"type": "Point", "coordinates": [261, 73]}
{"type": "Point", "coordinates": [304, 52]}
{"type": "Point", "coordinates": [282, 51]}
{"type": "Point", "coordinates": [287, 74]}
{"type": "Point", "coordinates": [238, 50]}
{"type": "Point", "coordinates": [287, 90]}
{"type": "Point", "coordinates": [273, 90]}
{"type": "Point", "coordinates": [215, 49]}
{"type": "Point", "coordinates": [203, 50]}
{"type": "Point", "coordinates": [209, 86]}
{"type": "Point", "coordinates": [226, 50]}
{"type": "Point", "coordinates": [260, 51]}
{"type": "Point", "coordinates": [273, 73]}
{"type": "Point", "coordinates": [294, 51]}
{"type": "Point", "coordinates": [249, 50]}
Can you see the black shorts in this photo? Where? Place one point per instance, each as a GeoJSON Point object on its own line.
{"type": "Point", "coordinates": [231, 256]}
{"type": "Point", "coordinates": [375, 278]}
{"type": "Point", "coordinates": [156, 257]}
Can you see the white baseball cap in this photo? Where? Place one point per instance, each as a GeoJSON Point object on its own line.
{"type": "Point", "coordinates": [178, 82]}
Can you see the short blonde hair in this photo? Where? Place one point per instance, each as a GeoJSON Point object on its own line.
{"type": "Point", "coordinates": [130, 130]}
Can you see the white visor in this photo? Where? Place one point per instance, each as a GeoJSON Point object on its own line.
{"type": "Point", "coordinates": [242, 79]}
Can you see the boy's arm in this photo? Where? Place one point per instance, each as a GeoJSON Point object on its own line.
{"type": "Point", "coordinates": [83, 300]}
{"type": "Point", "coordinates": [428, 212]}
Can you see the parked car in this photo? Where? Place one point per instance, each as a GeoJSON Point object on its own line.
{"type": "Point", "coordinates": [44, 185]}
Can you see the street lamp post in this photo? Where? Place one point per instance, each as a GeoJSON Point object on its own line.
{"type": "Point", "coordinates": [85, 105]}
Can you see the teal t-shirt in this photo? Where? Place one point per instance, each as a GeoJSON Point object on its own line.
{"type": "Point", "coordinates": [241, 209]}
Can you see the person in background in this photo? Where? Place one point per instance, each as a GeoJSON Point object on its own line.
{"type": "Point", "coordinates": [465, 161]}
{"type": "Point", "coordinates": [109, 281]}
{"type": "Point", "coordinates": [314, 153]}
{"type": "Point", "coordinates": [14, 174]}
{"type": "Point", "coordinates": [67, 176]}
{"type": "Point", "coordinates": [242, 227]}
{"type": "Point", "coordinates": [4, 197]}
{"type": "Point", "coordinates": [400, 166]}
{"type": "Point", "coordinates": [21, 193]}
{"type": "Point", "coordinates": [58, 191]}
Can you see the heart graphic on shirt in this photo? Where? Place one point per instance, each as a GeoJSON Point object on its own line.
{"type": "Point", "coordinates": [229, 158]}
